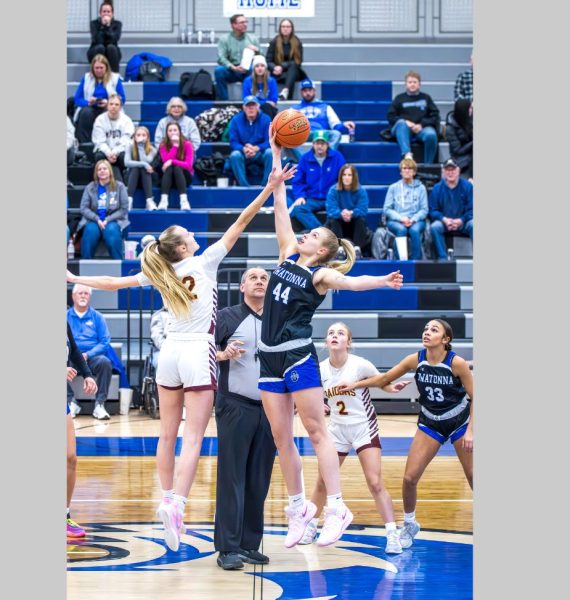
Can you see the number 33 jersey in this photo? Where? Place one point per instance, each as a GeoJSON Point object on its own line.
{"type": "Point", "coordinates": [351, 407]}
{"type": "Point", "coordinates": [198, 274]}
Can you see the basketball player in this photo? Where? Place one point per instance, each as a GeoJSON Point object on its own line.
{"type": "Point", "coordinates": [289, 374]}
{"type": "Point", "coordinates": [186, 372]}
{"type": "Point", "coordinates": [353, 424]}
{"type": "Point", "coordinates": [445, 384]}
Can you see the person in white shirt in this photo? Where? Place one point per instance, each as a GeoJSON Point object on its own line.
{"type": "Point", "coordinates": [353, 424]}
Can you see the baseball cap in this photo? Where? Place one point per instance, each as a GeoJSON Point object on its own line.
{"type": "Point", "coordinates": [321, 135]}
{"type": "Point", "coordinates": [250, 100]}
{"type": "Point", "coordinates": [450, 163]}
{"type": "Point", "coordinates": [306, 83]}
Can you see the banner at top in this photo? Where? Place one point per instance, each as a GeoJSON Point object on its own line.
{"type": "Point", "coordinates": [270, 8]}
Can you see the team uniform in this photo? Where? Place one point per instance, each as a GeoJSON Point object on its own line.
{"type": "Point", "coordinates": [181, 364]}
{"type": "Point", "coordinates": [76, 357]}
{"type": "Point", "coordinates": [444, 405]}
{"type": "Point", "coordinates": [287, 355]}
{"type": "Point", "coordinates": [353, 422]}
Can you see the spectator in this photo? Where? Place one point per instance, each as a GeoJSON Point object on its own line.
{"type": "Point", "coordinates": [450, 208]}
{"type": "Point", "coordinates": [112, 133]}
{"type": "Point", "coordinates": [92, 94]}
{"type": "Point", "coordinates": [321, 115]}
{"type": "Point", "coordinates": [459, 134]}
{"type": "Point", "coordinates": [230, 51]}
{"type": "Point", "coordinates": [464, 84]}
{"type": "Point", "coordinates": [92, 337]}
{"type": "Point", "coordinates": [176, 113]}
{"type": "Point", "coordinates": [139, 155]}
{"type": "Point", "coordinates": [412, 116]}
{"type": "Point", "coordinates": [177, 158]}
{"type": "Point", "coordinates": [406, 208]}
{"type": "Point", "coordinates": [104, 212]}
{"type": "Point", "coordinates": [285, 57]}
{"type": "Point", "coordinates": [261, 85]}
{"type": "Point", "coordinates": [317, 171]}
{"type": "Point", "coordinates": [347, 207]}
{"type": "Point", "coordinates": [72, 142]}
{"type": "Point", "coordinates": [249, 143]}
{"type": "Point", "coordinates": [105, 36]}
{"type": "Point", "coordinates": [158, 323]}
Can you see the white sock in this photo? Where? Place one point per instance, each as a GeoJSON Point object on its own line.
{"type": "Point", "coordinates": [164, 197]}
{"type": "Point", "coordinates": [180, 502]}
{"type": "Point", "coordinates": [335, 500]}
{"type": "Point", "coordinates": [391, 526]}
{"type": "Point", "coordinates": [168, 494]}
{"type": "Point", "coordinates": [410, 517]}
{"type": "Point", "coordinates": [297, 501]}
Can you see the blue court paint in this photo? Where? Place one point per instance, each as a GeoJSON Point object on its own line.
{"type": "Point", "coordinates": [146, 446]}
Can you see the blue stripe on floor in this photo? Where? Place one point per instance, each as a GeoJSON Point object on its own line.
{"type": "Point", "coordinates": [146, 446]}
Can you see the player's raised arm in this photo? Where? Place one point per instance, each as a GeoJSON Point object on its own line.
{"type": "Point", "coordinates": [409, 363]}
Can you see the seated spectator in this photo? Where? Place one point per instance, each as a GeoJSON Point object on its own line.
{"type": "Point", "coordinates": [139, 155]}
{"type": "Point", "coordinates": [176, 113]}
{"type": "Point", "coordinates": [230, 51]}
{"type": "Point", "coordinates": [104, 213]}
{"type": "Point", "coordinates": [112, 133]}
{"type": "Point", "coordinates": [262, 86]}
{"type": "Point", "coordinates": [406, 208]}
{"type": "Point", "coordinates": [177, 157]}
{"type": "Point", "coordinates": [105, 36]}
{"type": "Point", "coordinates": [459, 134]}
{"type": "Point", "coordinates": [464, 84]}
{"type": "Point", "coordinates": [321, 115]}
{"type": "Point", "coordinates": [285, 57]}
{"type": "Point", "coordinates": [450, 208]}
{"type": "Point", "coordinates": [92, 337]}
{"type": "Point", "coordinates": [317, 171]}
{"type": "Point", "coordinates": [413, 116]}
{"type": "Point", "coordinates": [249, 143]}
{"type": "Point", "coordinates": [158, 323]}
{"type": "Point", "coordinates": [72, 142]}
{"type": "Point", "coordinates": [92, 94]}
{"type": "Point", "coordinates": [347, 207]}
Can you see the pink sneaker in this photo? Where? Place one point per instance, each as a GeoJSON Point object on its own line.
{"type": "Point", "coordinates": [171, 518]}
{"type": "Point", "coordinates": [336, 521]}
{"type": "Point", "coordinates": [73, 529]}
{"type": "Point", "coordinates": [298, 520]}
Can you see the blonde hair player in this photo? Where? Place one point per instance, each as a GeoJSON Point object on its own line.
{"type": "Point", "coordinates": [186, 372]}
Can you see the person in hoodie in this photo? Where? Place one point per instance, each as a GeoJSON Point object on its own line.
{"type": "Point", "coordinates": [413, 116]}
{"type": "Point", "coordinates": [176, 110]}
{"type": "Point", "coordinates": [105, 36]}
{"type": "Point", "coordinates": [459, 134]}
{"type": "Point", "coordinates": [139, 155]}
{"type": "Point", "coordinates": [249, 143]}
{"type": "Point", "coordinates": [406, 207]}
{"type": "Point", "coordinates": [112, 133]}
{"type": "Point", "coordinates": [321, 115]}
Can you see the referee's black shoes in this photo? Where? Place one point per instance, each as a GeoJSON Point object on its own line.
{"type": "Point", "coordinates": [253, 557]}
{"type": "Point", "coordinates": [229, 561]}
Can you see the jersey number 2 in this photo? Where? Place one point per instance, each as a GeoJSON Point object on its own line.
{"type": "Point", "coordinates": [284, 296]}
{"type": "Point", "coordinates": [341, 408]}
{"type": "Point", "coordinates": [189, 282]}
{"type": "Point", "coordinates": [435, 395]}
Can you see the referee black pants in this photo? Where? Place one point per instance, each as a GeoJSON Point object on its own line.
{"type": "Point", "coordinates": [246, 453]}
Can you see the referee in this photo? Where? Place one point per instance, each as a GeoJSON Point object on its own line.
{"type": "Point", "coordinates": [246, 451]}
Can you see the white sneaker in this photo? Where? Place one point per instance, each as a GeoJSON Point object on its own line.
{"type": "Point", "coordinates": [284, 93]}
{"type": "Point", "coordinates": [74, 409]}
{"type": "Point", "coordinates": [100, 413]}
{"type": "Point", "coordinates": [298, 520]}
{"type": "Point", "coordinates": [172, 521]}
{"type": "Point", "coordinates": [408, 533]}
{"type": "Point", "coordinates": [151, 204]}
{"type": "Point", "coordinates": [184, 204]}
{"type": "Point", "coordinates": [163, 204]}
{"type": "Point", "coordinates": [310, 534]}
{"type": "Point", "coordinates": [393, 545]}
{"type": "Point", "coordinates": [336, 521]}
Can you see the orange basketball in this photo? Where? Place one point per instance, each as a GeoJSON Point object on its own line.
{"type": "Point", "coordinates": [292, 128]}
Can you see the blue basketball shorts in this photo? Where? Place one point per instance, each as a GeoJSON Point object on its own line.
{"type": "Point", "coordinates": [290, 371]}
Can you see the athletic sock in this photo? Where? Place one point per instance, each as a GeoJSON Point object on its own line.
{"type": "Point", "coordinates": [180, 502]}
{"type": "Point", "coordinates": [167, 494]}
{"type": "Point", "coordinates": [391, 526]}
{"type": "Point", "coordinates": [335, 500]}
{"type": "Point", "coordinates": [410, 517]}
{"type": "Point", "coordinates": [297, 501]}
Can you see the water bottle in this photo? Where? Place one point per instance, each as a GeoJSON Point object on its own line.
{"type": "Point", "coordinates": [70, 249]}
{"type": "Point", "coordinates": [450, 254]}
{"type": "Point", "coordinates": [182, 36]}
{"type": "Point", "coordinates": [351, 135]}
{"type": "Point", "coordinates": [212, 37]}
{"type": "Point", "coordinates": [189, 36]}
{"type": "Point", "coordinates": [199, 36]}
{"type": "Point", "coordinates": [390, 255]}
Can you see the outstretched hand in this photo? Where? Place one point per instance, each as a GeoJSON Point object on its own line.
{"type": "Point", "coordinates": [346, 387]}
{"type": "Point", "coordinates": [276, 178]}
{"type": "Point", "coordinates": [273, 139]}
{"type": "Point", "coordinates": [395, 280]}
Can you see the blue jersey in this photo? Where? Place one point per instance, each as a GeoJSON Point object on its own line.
{"type": "Point", "coordinates": [440, 390]}
{"type": "Point", "coordinates": [290, 303]}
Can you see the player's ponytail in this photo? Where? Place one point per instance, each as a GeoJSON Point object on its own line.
{"type": "Point", "coordinates": [332, 244]}
{"type": "Point", "coordinates": [448, 332]}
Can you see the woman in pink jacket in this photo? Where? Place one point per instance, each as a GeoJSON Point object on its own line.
{"type": "Point", "coordinates": [177, 156]}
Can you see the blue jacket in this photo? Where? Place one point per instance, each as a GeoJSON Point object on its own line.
{"type": "Point", "coordinates": [338, 200]}
{"type": "Point", "coordinates": [406, 201]}
{"type": "Point", "coordinates": [321, 115]}
{"type": "Point", "coordinates": [134, 64]}
{"type": "Point", "coordinates": [258, 93]}
{"type": "Point", "coordinates": [456, 203]}
{"type": "Point", "coordinates": [243, 132]}
{"type": "Point", "coordinates": [313, 181]}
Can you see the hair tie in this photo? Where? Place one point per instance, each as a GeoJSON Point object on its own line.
{"type": "Point", "coordinates": [339, 241]}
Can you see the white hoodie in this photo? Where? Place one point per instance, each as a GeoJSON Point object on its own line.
{"type": "Point", "coordinates": [112, 136]}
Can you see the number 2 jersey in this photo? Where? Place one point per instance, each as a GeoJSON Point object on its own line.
{"type": "Point", "coordinates": [198, 273]}
{"type": "Point", "coordinates": [440, 390]}
{"type": "Point", "coordinates": [355, 406]}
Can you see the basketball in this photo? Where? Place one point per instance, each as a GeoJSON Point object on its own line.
{"type": "Point", "coordinates": [292, 128]}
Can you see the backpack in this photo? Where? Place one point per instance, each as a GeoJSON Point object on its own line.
{"type": "Point", "coordinates": [212, 122]}
{"type": "Point", "coordinates": [196, 86]}
{"type": "Point", "coordinates": [209, 168]}
{"type": "Point", "coordinates": [151, 70]}
{"type": "Point", "coordinates": [382, 241]}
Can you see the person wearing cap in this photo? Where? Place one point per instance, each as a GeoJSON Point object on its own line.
{"type": "Point", "coordinates": [413, 116]}
{"type": "Point", "coordinates": [450, 208]}
{"type": "Point", "coordinates": [230, 52]}
{"type": "Point", "coordinates": [317, 171]}
{"type": "Point", "coordinates": [249, 143]}
{"type": "Point", "coordinates": [321, 115]}
{"type": "Point", "coordinates": [261, 85]}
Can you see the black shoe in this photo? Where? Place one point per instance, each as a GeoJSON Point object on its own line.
{"type": "Point", "coordinates": [229, 561]}
{"type": "Point", "coordinates": [253, 557]}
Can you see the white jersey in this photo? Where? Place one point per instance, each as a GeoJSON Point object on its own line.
{"type": "Point", "coordinates": [355, 406]}
{"type": "Point", "coordinates": [198, 273]}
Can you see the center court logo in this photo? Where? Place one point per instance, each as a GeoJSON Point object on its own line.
{"type": "Point", "coordinates": [439, 565]}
